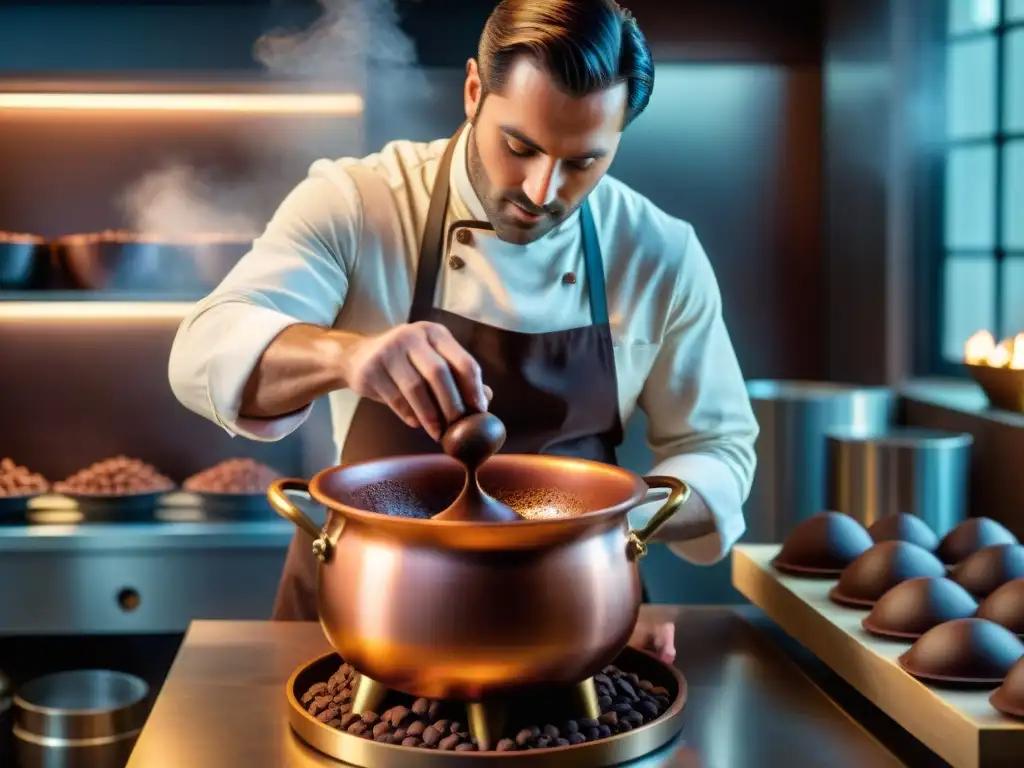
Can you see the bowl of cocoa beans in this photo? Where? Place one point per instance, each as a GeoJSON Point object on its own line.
{"type": "Point", "coordinates": [120, 483]}
{"type": "Point", "coordinates": [236, 486]}
{"type": "Point", "coordinates": [18, 486]}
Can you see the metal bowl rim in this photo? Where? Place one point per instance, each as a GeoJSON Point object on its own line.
{"type": "Point", "coordinates": [139, 685]}
{"type": "Point", "coordinates": [640, 489]}
{"type": "Point", "coordinates": [669, 721]}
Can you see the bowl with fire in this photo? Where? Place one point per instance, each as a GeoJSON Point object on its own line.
{"type": "Point", "coordinates": [998, 368]}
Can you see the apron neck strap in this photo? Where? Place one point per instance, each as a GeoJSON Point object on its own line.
{"type": "Point", "coordinates": [594, 265]}
{"type": "Point", "coordinates": [432, 246]}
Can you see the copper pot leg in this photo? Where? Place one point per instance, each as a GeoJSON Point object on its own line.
{"type": "Point", "coordinates": [585, 699]}
{"type": "Point", "coordinates": [368, 695]}
{"type": "Point", "coordinates": [486, 722]}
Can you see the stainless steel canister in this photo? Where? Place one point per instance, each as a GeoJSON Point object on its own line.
{"type": "Point", "coordinates": [5, 693]}
{"type": "Point", "coordinates": [922, 472]}
{"type": "Point", "coordinates": [88, 717]}
{"type": "Point", "coordinates": [795, 418]}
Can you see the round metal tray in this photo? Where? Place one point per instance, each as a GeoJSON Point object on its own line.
{"type": "Point", "coordinates": [620, 748]}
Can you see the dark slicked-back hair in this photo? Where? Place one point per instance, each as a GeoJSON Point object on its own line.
{"type": "Point", "coordinates": [585, 45]}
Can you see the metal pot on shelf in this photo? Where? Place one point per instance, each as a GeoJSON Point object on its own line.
{"type": "Point", "coordinates": [115, 260]}
{"type": "Point", "coordinates": [468, 609]}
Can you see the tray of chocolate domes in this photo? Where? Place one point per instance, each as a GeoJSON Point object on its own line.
{"type": "Point", "coordinates": [929, 628]}
{"type": "Point", "coordinates": [641, 701]}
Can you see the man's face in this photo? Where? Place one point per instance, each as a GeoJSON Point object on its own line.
{"type": "Point", "coordinates": [535, 152]}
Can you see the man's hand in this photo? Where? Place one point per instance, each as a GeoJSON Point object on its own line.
{"type": "Point", "coordinates": [659, 639]}
{"type": "Point", "coordinates": [421, 372]}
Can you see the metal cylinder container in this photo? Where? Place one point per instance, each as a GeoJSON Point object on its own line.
{"type": "Point", "coordinates": [5, 693]}
{"type": "Point", "coordinates": [795, 418]}
{"type": "Point", "coordinates": [89, 717]}
{"type": "Point", "coordinates": [918, 471]}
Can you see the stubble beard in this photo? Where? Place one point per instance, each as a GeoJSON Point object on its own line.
{"type": "Point", "coordinates": [492, 202]}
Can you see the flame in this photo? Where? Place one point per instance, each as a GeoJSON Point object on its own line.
{"type": "Point", "coordinates": [982, 349]}
{"type": "Point", "coordinates": [1017, 357]}
{"type": "Point", "coordinates": [978, 348]}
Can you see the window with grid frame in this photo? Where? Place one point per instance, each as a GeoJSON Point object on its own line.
{"type": "Point", "coordinates": [983, 237]}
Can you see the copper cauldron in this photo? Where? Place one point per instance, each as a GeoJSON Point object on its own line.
{"type": "Point", "coordinates": [467, 610]}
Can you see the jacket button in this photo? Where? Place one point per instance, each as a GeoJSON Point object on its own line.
{"type": "Point", "coordinates": [456, 262]}
{"type": "Point", "coordinates": [569, 278]}
{"type": "Point", "coordinates": [463, 236]}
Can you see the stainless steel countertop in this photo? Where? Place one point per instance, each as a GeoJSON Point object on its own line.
{"type": "Point", "coordinates": [749, 704]}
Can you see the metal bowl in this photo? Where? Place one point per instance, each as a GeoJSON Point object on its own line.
{"type": "Point", "coordinates": [234, 505]}
{"type": "Point", "coordinates": [88, 717]}
{"type": "Point", "coordinates": [19, 262]}
{"type": "Point", "coordinates": [615, 750]}
{"type": "Point", "coordinates": [97, 263]}
{"type": "Point", "coordinates": [18, 506]}
{"type": "Point", "coordinates": [99, 506]}
{"type": "Point", "coordinates": [1004, 387]}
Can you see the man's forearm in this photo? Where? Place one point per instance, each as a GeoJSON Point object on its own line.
{"type": "Point", "coordinates": [303, 363]}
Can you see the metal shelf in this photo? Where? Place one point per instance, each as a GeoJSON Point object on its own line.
{"type": "Point", "coordinates": [72, 296]}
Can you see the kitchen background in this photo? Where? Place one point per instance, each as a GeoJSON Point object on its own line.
{"type": "Point", "coordinates": [854, 170]}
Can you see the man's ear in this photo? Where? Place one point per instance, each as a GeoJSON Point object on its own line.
{"type": "Point", "coordinates": [473, 90]}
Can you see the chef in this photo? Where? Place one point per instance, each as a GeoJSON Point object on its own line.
{"type": "Point", "coordinates": [499, 269]}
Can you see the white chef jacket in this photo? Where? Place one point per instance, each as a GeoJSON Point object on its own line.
{"type": "Point", "coordinates": [342, 249]}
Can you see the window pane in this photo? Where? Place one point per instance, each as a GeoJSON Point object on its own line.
{"type": "Point", "coordinates": [1013, 195]}
{"type": "Point", "coordinates": [968, 301]}
{"type": "Point", "coordinates": [972, 15]}
{"type": "Point", "coordinates": [970, 198]}
{"type": "Point", "coordinates": [971, 108]}
{"type": "Point", "coordinates": [1015, 10]}
{"type": "Point", "coordinates": [1013, 80]}
{"type": "Point", "coordinates": [1012, 281]}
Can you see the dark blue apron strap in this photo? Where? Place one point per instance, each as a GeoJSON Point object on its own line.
{"type": "Point", "coordinates": [594, 265]}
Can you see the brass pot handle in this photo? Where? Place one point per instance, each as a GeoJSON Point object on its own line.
{"type": "Point", "coordinates": [287, 509]}
{"type": "Point", "coordinates": [679, 492]}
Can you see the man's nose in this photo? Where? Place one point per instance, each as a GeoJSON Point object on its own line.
{"type": "Point", "coordinates": [542, 182]}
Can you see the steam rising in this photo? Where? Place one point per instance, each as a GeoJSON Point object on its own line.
{"type": "Point", "coordinates": [334, 47]}
{"type": "Point", "coordinates": [237, 194]}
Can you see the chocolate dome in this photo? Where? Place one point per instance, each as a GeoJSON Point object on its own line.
{"type": "Point", "coordinates": [881, 568]}
{"type": "Point", "coordinates": [970, 536]}
{"type": "Point", "coordinates": [912, 607]}
{"type": "Point", "coordinates": [904, 527]}
{"type": "Point", "coordinates": [1005, 607]}
{"type": "Point", "coordinates": [1008, 698]}
{"type": "Point", "coordinates": [983, 572]}
{"type": "Point", "coordinates": [964, 651]}
{"type": "Point", "coordinates": [822, 545]}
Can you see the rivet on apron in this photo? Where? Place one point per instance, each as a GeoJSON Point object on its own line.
{"type": "Point", "coordinates": [464, 236]}
{"type": "Point", "coordinates": [569, 278]}
{"type": "Point", "coordinates": [456, 262]}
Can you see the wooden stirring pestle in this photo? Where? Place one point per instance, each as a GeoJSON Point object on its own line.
{"type": "Point", "coordinates": [472, 440]}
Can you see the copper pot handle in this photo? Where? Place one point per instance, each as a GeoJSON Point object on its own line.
{"type": "Point", "coordinates": [286, 508]}
{"type": "Point", "coordinates": [679, 492]}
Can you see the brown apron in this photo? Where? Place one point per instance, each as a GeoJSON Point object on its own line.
{"type": "Point", "coordinates": [556, 392]}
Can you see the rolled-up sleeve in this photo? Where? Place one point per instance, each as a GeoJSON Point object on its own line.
{"type": "Point", "coordinates": [297, 271]}
{"type": "Point", "coordinates": [701, 427]}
